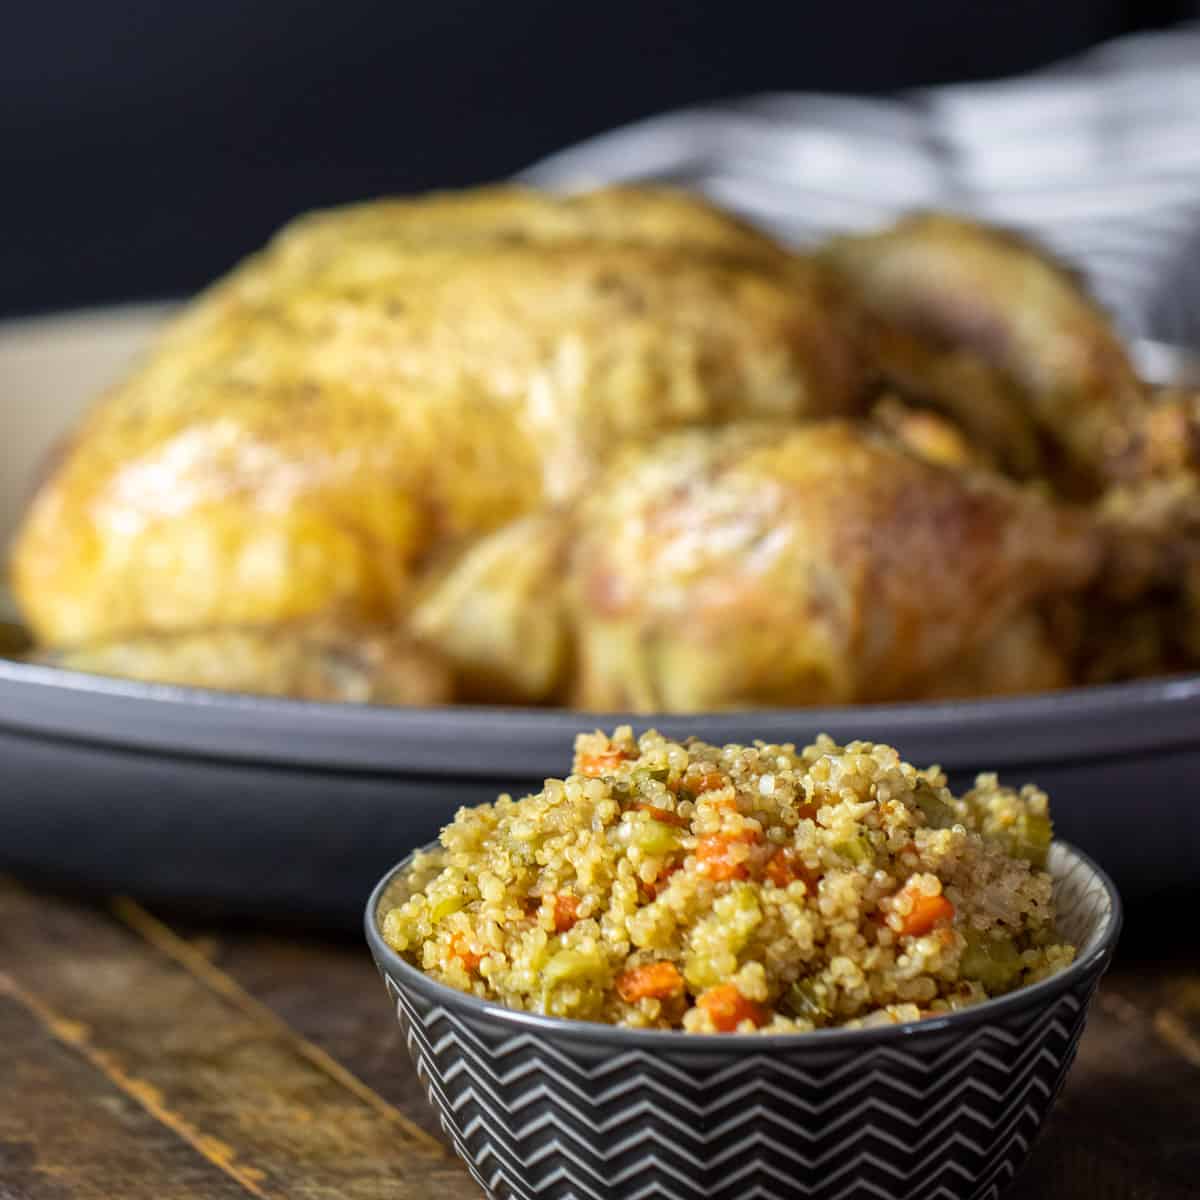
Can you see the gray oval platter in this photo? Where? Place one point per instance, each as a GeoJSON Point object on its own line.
{"type": "Point", "coordinates": [250, 805]}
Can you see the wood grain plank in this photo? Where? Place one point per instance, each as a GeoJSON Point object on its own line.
{"type": "Point", "coordinates": [67, 1133]}
{"type": "Point", "coordinates": [1177, 1020]}
{"type": "Point", "coordinates": [297, 977]}
{"type": "Point", "coordinates": [200, 962]}
{"type": "Point", "coordinates": [209, 1064]}
{"type": "Point", "coordinates": [1128, 1123]}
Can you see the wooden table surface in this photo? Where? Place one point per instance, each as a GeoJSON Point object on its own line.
{"type": "Point", "coordinates": [147, 1060]}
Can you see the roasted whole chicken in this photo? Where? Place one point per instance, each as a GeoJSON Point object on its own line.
{"type": "Point", "coordinates": [386, 380]}
{"type": "Point", "coordinates": [618, 450]}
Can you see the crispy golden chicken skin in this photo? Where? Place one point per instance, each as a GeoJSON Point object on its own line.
{"type": "Point", "coordinates": [497, 610]}
{"type": "Point", "coordinates": [989, 328]}
{"type": "Point", "coordinates": [819, 563]}
{"type": "Point", "coordinates": [311, 661]}
{"type": "Point", "coordinates": [388, 378]}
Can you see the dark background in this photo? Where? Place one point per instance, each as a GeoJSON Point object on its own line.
{"type": "Point", "coordinates": [146, 145]}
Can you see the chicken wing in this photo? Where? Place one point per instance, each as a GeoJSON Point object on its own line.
{"type": "Point", "coordinates": [988, 327]}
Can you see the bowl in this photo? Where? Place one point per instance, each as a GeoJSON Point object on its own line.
{"type": "Point", "coordinates": [246, 805]}
{"type": "Point", "coordinates": [545, 1107]}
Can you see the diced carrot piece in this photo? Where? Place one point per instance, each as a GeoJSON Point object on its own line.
{"type": "Point", "coordinates": [566, 911]}
{"type": "Point", "coordinates": [663, 814]}
{"type": "Point", "coordinates": [602, 762]}
{"type": "Point", "coordinates": [461, 951]}
{"type": "Point", "coordinates": [785, 866]}
{"type": "Point", "coordinates": [927, 912]}
{"type": "Point", "coordinates": [713, 780]}
{"type": "Point", "coordinates": [716, 862]}
{"type": "Point", "coordinates": [727, 1008]}
{"type": "Point", "coordinates": [659, 980]}
{"type": "Point", "coordinates": [710, 781]}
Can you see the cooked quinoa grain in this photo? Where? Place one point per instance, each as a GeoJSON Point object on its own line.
{"type": "Point", "coordinates": [737, 889]}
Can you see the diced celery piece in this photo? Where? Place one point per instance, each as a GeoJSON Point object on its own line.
{"type": "Point", "coordinates": [659, 774]}
{"type": "Point", "coordinates": [574, 966]}
{"type": "Point", "coordinates": [994, 962]}
{"type": "Point", "coordinates": [856, 848]}
{"type": "Point", "coordinates": [655, 837]}
{"type": "Point", "coordinates": [1031, 840]}
{"type": "Point", "coordinates": [937, 812]}
{"type": "Point", "coordinates": [803, 999]}
{"type": "Point", "coordinates": [440, 909]}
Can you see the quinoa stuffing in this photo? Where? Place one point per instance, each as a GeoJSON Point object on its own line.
{"type": "Point", "coordinates": [678, 885]}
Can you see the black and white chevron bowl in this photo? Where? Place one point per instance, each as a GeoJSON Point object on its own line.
{"type": "Point", "coordinates": [946, 1108]}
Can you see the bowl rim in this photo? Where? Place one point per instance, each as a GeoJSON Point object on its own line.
{"type": "Point", "coordinates": [1072, 724]}
{"type": "Point", "coordinates": [1039, 994]}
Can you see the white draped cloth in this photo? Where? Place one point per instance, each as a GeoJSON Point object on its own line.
{"type": "Point", "coordinates": [1098, 158]}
